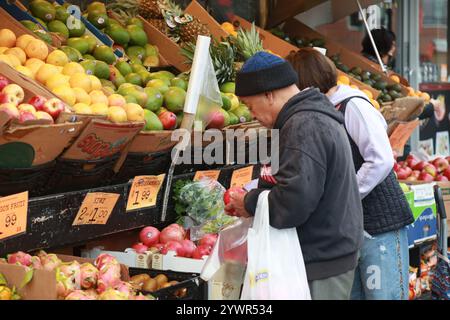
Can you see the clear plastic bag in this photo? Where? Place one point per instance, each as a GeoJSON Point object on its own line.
{"type": "Point", "coordinates": [205, 207]}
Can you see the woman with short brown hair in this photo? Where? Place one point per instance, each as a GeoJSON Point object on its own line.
{"type": "Point", "coordinates": [382, 272]}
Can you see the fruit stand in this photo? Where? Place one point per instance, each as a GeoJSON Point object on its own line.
{"type": "Point", "coordinates": [89, 102]}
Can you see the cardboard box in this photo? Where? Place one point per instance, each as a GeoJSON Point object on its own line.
{"type": "Point", "coordinates": [43, 284]}
{"type": "Point", "coordinates": [226, 284]}
{"type": "Point", "coordinates": [423, 206]}
{"type": "Point", "coordinates": [101, 139]}
{"type": "Point", "coordinates": [129, 257]}
{"type": "Point", "coordinates": [48, 141]}
{"type": "Point", "coordinates": [352, 59]}
{"type": "Point", "coordinates": [170, 262]}
{"type": "Point", "coordinates": [152, 141]}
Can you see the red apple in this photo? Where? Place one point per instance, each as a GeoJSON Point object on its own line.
{"type": "Point", "coordinates": [448, 159]}
{"type": "Point", "coordinates": [447, 172]}
{"type": "Point", "coordinates": [402, 164]}
{"type": "Point", "coordinates": [441, 164]}
{"type": "Point", "coordinates": [425, 176]}
{"type": "Point", "coordinates": [396, 166]}
{"type": "Point", "coordinates": [3, 82]}
{"type": "Point", "coordinates": [402, 174]}
{"type": "Point", "coordinates": [173, 246]}
{"type": "Point", "coordinates": [38, 102]}
{"type": "Point", "coordinates": [10, 109]}
{"type": "Point", "coordinates": [168, 120]}
{"type": "Point", "coordinates": [7, 98]}
{"type": "Point", "coordinates": [54, 107]}
{"type": "Point", "coordinates": [26, 107]}
{"type": "Point", "coordinates": [415, 173]}
{"type": "Point", "coordinates": [440, 177]}
{"type": "Point", "coordinates": [420, 166]}
{"type": "Point", "coordinates": [25, 116]}
{"type": "Point", "coordinates": [408, 171]}
{"type": "Point", "coordinates": [15, 91]}
{"type": "Point", "coordinates": [412, 162]}
{"type": "Point", "coordinates": [44, 115]}
{"type": "Point", "coordinates": [429, 168]}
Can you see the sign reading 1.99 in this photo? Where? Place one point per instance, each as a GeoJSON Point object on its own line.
{"type": "Point", "coordinates": [13, 214]}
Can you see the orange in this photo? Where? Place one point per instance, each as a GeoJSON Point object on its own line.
{"type": "Point", "coordinates": [375, 104]}
{"type": "Point", "coordinates": [7, 38]}
{"type": "Point", "coordinates": [344, 79]}
{"type": "Point", "coordinates": [395, 78]}
{"type": "Point", "coordinates": [368, 93]}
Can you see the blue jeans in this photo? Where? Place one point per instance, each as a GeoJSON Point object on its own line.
{"type": "Point", "coordinates": [383, 269]}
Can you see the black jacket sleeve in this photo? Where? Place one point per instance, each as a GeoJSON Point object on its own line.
{"type": "Point", "coordinates": [300, 184]}
{"type": "Point", "coordinates": [427, 112]}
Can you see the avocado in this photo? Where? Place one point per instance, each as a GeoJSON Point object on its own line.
{"type": "Point", "coordinates": [365, 75]}
{"type": "Point", "coordinates": [380, 85]}
{"type": "Point", "coordinates": [318, 43]}
{"type": "Point", "coordinates": [357, 70]}
{"type": "Point", "coordinates": [76, 27]}
{"type": "Point", "coordinates": [395, 94]}
{"type": "Point", "coordinates": [387, 98]}
{"type": "Point", "coordinates": [136, 21]}
{"type": "Point", "coordinates": [78, 43]}
{"type": "Point", "coordinates": [101, 70]}
{"type": "Point", "coordinates": [376, 77]}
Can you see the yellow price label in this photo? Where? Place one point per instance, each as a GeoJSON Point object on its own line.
{"type": "Point", "coordinates": [144, 191]}
{"type": "Point", "coordinates": [13, 214]}
{"type": "Point", "coordinates": [96, 208]}
{"type": "Point", "coordinates": [241, 177]}
{"type": "Point", "coordinates": [211, 174]}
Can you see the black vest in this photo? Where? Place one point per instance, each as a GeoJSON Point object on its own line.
{"type": "Point", "coordinates": [385, 207]}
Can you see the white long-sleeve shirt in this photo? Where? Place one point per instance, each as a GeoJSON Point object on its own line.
{"type": "Point", "coordinates": [367, 128]}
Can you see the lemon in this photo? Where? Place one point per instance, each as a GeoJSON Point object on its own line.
{"type": "Point", "coordinates": [23, 41]}
{"type": "Point", "coordinates": [18, 53]}
{"type": "Point", "coordinates": [95, 83]}
{"type": "Point", "coordinates": [72, 68]}
{"type": "Point", "coordinates": [57, 80]}
{"type": "Point", "coordinates": [82, 108]}
{"type": "Point", "coordinates": [81, 80]}
{"type": "Point", "coordinates": [57, 58]}
{"type": "Point", "coordinates": [25, 71]}
{"type": "Point", "coordinates": [82, 96]}
{"type": "Point", "coordinates": [66, 94]}
{"type": "Point", "coordinates": [45, 72]}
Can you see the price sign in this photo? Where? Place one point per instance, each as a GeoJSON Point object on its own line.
{"type": "Point", "coordinates": [401, 135]}
{"type": "Point", "coordinates": [96, 208]}
{"type": "Point", "coordinates": [241, 177]}
{"type": "Point", "coordinates": [144, 191]}
{"type": "Point", "coordinates": [211, 174]}
{"type": "Point", "coordinates": [13, 214]}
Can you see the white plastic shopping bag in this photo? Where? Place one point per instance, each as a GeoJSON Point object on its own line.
{"type": "Point", "coordinates": [275, 266]}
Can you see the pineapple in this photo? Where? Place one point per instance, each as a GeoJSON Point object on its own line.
{"type": "Point", "coordinates": [248, 42]}
{"type": "Point", "coordinates": [150, 9]}
{"type": "Point", "coordinates": [190, 30]}
{"type": "Point", "coordinates": [222, 56]}
{"type": "Point", "coordinates": [160, 24]}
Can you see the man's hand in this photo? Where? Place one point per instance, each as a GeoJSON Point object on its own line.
{"type": "Point", "coordinates": [236, 207]}
{"type": "Point", "coordinates": [439, 109]}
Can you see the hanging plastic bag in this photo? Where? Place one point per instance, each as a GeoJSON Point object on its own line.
{"type": "Point", "coordinates": [275, 267]}
{"type": "Point", "coordinates": [205, 207]}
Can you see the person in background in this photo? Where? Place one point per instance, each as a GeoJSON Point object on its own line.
{"type": "Point", "coordinates": [385, 41]}
{"type": "Point", "coordinates": [382, 272]}
{"type": "Point", "coordinates": [315, 188]}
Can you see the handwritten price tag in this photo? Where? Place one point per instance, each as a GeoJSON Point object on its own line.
{"type": "Point", "coordinates": [96, 208]}
{"type": "Point", "coordinates": [211, 174]}
{"type": "Point", "coordinates": [13, 214]}
{"type": "Point", "coordinates": [144, 191]}
{"type": "Point", "coordinates": [241, 177]}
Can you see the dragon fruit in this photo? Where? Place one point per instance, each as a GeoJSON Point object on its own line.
{"type": "Point", "coordinates": [108, 277]}
{"type": "Point", "coordinates": [64, 285]}
{"type": "Point", "coordinates": [72, 271]}
{"type": "Point", "coordinates": [125, 288]}
{"type": "Point", "coordinates": [89, 275]}
{"type": "Point", "coordinates": [140, 297]}
{"type": "Point", "coordinates": [92, 293]}
{"type": "Point", "coordinates": [103, 259]}
{"type": "Point", "coordinates": [50, 261]}
{"type": "Point", "coordinates": [20, 258]}
{"type": "Point", "coordinates": [79, 295]}
{"type": "Point", "coordinates": [36, 262]}
{"type": "Point", "coordinates": [112, 294]}
{"type": "Point", "coordinates": [3, 260]}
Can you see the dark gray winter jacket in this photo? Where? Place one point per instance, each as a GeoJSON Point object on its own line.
{"type": "Point", "coordinates": [316, 189]}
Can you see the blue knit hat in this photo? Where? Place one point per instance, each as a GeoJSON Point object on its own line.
{"type": "Point", "coordinates": [264, 72]}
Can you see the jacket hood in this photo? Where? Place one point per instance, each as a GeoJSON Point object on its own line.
{"type": "Point", "coordinates": [343, 92]}
{"type": "Point", "coordinates": [308, 100]}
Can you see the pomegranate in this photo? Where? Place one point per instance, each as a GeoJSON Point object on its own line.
{"type": "Point", "coordinates": [188, 247]}
{"type": "Point", "coordinates": [229, 192]}
{"type": "Point", "coordinates": [173, 246]}
{"type": "Point", "coordinates": [208, 240]}
{"type": "Point", "coordinates": [140, 247]}
{"type": "Point", "coordinates": [171, 233]}
{"type": "Point", "coordinates": [201, 251]}
{"type": "Point", "coordinates": [149, 236]}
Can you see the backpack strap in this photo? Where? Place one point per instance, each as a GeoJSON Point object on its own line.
{"type": "Point", "coordinates": [343, 105]}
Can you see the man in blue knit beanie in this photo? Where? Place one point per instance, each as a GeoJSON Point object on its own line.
{"type": "Point", "coordinates": [315, 189]}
